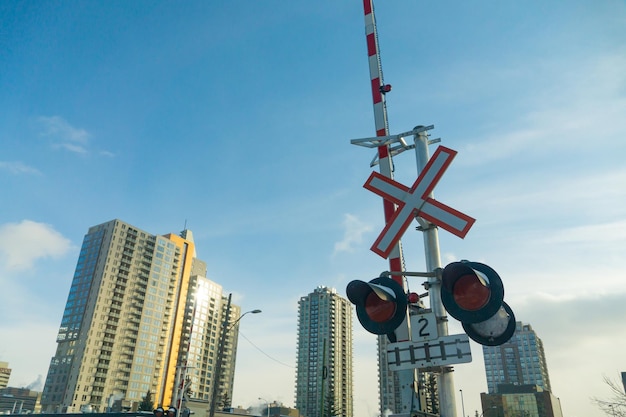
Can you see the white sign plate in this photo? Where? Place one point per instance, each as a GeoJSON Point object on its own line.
{"type": "Point", "coordinates": [446, 350]}
{"type": "Point", "coordinates": [424, 327]}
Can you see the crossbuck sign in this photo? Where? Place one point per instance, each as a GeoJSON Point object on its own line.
{"type": "Point", "coordinates": [416, 201]}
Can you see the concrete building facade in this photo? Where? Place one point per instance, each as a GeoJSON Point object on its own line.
{"type": "Point", "coordinates": [208, 307]}
{"type": "Point", "coordinates": [19, 401]}
{"type": "Point", "coordinates": [126, 327]}
{"type": "Point", "coordinates": [520, 361]}
{"type": "Point", "coordinates": [5, 374]}
{"type": "Point", "coordinates": [324, 368]}
{"type": "Point", "coordinates": [520, 401]}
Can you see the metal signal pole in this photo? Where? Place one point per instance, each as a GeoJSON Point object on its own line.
{"type": "Point", "coordinates": [408, 378]}
{"type": "Point", "coordinates": [445, 379]}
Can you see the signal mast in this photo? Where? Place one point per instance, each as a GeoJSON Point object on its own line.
{"type": "Point", "coordinates": [471, 292]}
{"type": "Point", "coordinates": [387, 147]}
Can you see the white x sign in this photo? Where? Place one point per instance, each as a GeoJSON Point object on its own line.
{"type": "Point", "coordinates": [415, 201]}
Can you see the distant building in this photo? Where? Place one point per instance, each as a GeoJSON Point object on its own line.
{"type": "Point", "coordinates": [275, 409]}
{"type": "Point", "coordinates": [520, 401]}
{"type": "Point", "coordinates": [520, 361]}
{"type": "Point", "coordinates": [324, 369]}
{"type": "Point", "coordinates": [517, 378]}
{"type": "Point", "coordinates": [19, 401]}
{"type": "Point", "coordinates": [279, 410]}
{"type": "Point", "coordinates": [209, 307]}
{"type": "Point", "coordinates": [388, 382]}
{"type": "Point", "coordinates": [389, 386]}
{"type": "Point", "coordinates": [140, 317]}
{"type": "Point", "coordinates": [5, 374]}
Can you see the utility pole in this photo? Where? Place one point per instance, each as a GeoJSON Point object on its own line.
{"type": "Point", "coordinates": [445, 379]}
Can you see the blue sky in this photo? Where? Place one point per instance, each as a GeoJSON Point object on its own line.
{"type": "Point", "coordinates": [235, 119]}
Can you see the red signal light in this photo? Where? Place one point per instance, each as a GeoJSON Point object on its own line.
{"type": "Point", "coordinates": [473, 293]}
{"type": "Point", "coordinates": [381, 304]}
{"type": "Point", "coordinates": [470, 292]}
{"type": "Point", "coordinates": [414, 298]}
{"type": "Point", "coordinates": [379, 310]}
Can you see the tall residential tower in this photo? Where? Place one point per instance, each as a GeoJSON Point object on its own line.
{"type": "Point", "coordinates": [520, 361]}
{"type": "Point", "coordinates": [324, 370]}
{"type": "Point", "coordinates": [127, 325]}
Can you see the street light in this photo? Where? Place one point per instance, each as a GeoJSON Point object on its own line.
{"type": "Point", "coordinates": [268, 405]}
{"type": "Point", "coordinates": [462, 403]}
{"type": "Point", "coordinates": [256, 311]}
{"type": "Point", "coordinates": [220, 352]}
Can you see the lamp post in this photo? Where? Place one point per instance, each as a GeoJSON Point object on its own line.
{"type": "Point", "coordinates": [220, 352]}
{"type": "Point", "coordinates": [268, 405]}
{"type": "Point", "coordinates": [462, 403]}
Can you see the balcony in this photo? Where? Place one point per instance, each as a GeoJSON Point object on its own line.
{"type": "Point", "coordinates": [129, 343]}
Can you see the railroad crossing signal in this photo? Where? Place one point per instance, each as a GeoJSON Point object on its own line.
{"type": "Point", "coordinates": [473, 293]}
{"type": "Point", "coordinates": [381, 304]}
{"type": "Point", "coordinates": [416, 201]}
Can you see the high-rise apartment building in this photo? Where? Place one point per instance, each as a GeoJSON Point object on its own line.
{"type": "Point", "coordinates": [388, 383]}
{"type": "Point", "coordinates": [208, 309]}
{"type": "Point", "coordinates": [127, 325]}
{"type": "Point", "coordinates": [389, 386]}
{"type": "Point", "coordinates": [324, 369]}
{"type": "Point", "coordinates": [5, 374]}
{"type": "Point", "coordinates": [520, 361]}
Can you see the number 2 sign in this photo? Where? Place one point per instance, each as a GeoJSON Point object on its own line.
{"type": "Point", "coordinates": [424, 327]}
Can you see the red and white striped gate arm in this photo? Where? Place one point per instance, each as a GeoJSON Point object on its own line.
{"type": "Point", "coordinates": [380, 121]}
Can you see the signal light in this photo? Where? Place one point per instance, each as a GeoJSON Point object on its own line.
{"type": "Point", "coordinates": [473, 293]}
{"type": "Point", "coordinates": [413, 298]}
{"type": "Point", "coordinates": [381, 304]}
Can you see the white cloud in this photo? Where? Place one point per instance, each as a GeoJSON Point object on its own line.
{"type": "Point", "coordinates": [64, 135]}
{"type": "Point", "coordinates": [59, 128]}
{"type": "Point", "coordinates": [591, 233]}
{"type": "Point", "coordinates": [71, 147]}
{"type": "Point", "coordinates": [68, 137]}
{"type": "Point", "coordinates": [107, 154]}
{"type": "Point", "coordinates": [17, 167]}
{"type": "Point", "coordinates": [22, 244]}
{"type": "Point", "coordinates": [353, 235]}
{"type": "Point", "coordinates": [33, 343]}
{"type": "Point", "coordinates": [577, 104]}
